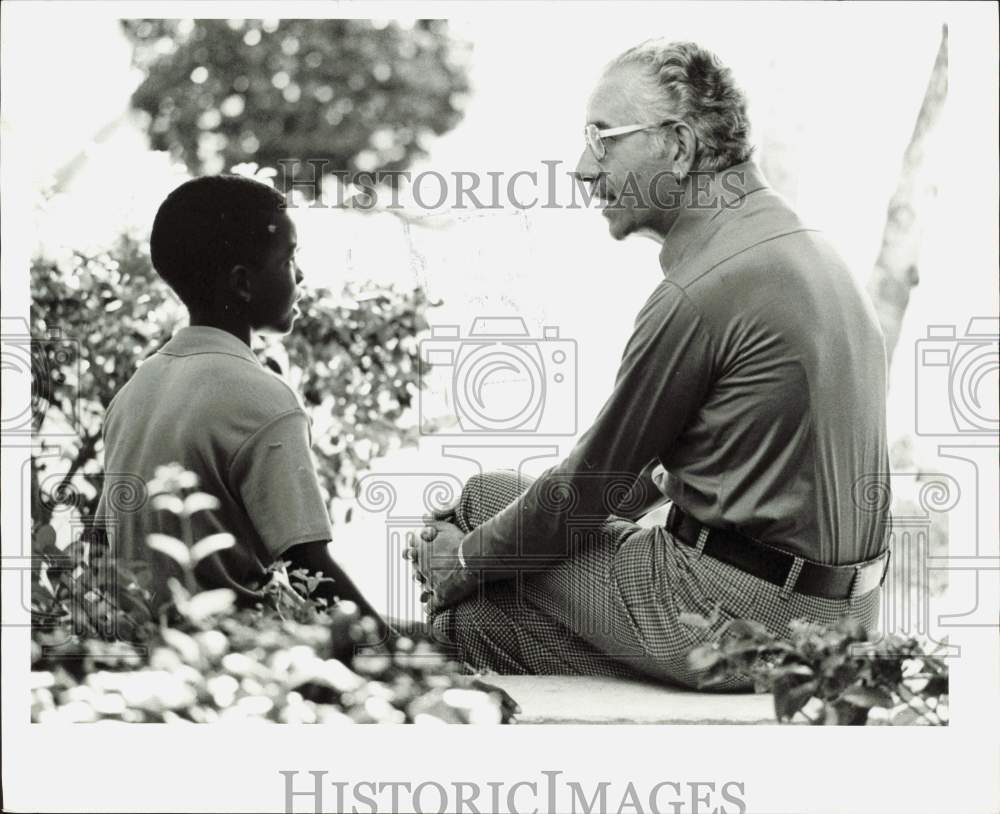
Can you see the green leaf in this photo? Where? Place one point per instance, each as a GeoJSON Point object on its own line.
{"type": "Point", "coordinates": [852, 629]}
{"type": "Point", "coordinates": [170, 546]}
{"type": "Point", "coordinates": [793, 670]}
{"type": "Point", "coordinates": [830, 716]}
{"type": "Point", "coordinates": [44, 540]}
{"type": "Point", "coordinates": [936, 685]}
{"type": "Point", "coordinates": [739, 649]}
{"type": "Point", "coordinates": [850, 714]}
{"type": "Point", "coordinates": [168, 503]}
{"type": "Point", "coordinates": [211, 544]}
{"type": "Point", "coordinates": [178, 592]}
{"type": "Point", "coordinates": [186, 646]}
{"type": "Point", "coordinates": [747, 628]}
{"type": "Point", "coordinates": [694, 620]}
{"type": "Point", "coordinates": [905, 717]}
{"type": "Point", "coordinates": [209, 603]}
{"type": "Point", "coordinates": [199, 502]}
{"type": "Point", "coordinates": [714, 679]}
{"type": "Point", "coordinates": [703, 657]}
{"type": "Point", "coordinates": [867, 697]}
{"type": "Point", "coordinates": [789, 700]}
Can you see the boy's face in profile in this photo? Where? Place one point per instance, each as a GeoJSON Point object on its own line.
{"type": "Point", "coordinates": [275, 280]}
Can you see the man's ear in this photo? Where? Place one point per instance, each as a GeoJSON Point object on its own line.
{"type": "Point", "coordinates": [685, 144]}
{"type": "Point", "coordinates": [239, 284]}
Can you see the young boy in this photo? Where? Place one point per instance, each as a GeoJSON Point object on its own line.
{"type": "Point", "coordinates": [226, 246]}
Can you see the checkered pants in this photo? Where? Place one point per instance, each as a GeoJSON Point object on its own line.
{"type": "Point", "coordinates": [611, 607]}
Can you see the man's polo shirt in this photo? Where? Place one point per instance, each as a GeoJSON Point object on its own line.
{"type": "Point", "coordinates": [204, 401]}
{"type": "Point", "coordinates": [755, 375]}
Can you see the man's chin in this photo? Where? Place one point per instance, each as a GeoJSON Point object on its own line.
{"type": "Point", "coordinates": [619, 227]}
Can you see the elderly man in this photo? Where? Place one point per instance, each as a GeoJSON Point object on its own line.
{"type": "Point", "coordinates": [753, 385]}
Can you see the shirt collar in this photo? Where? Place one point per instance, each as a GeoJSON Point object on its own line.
{"type": "Point", "coordinates": [714, 194]}
{"type": "Point", "coordinates": [194, 339]}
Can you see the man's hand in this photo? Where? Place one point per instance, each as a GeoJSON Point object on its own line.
{"type": "Point", "coordinates": [434, 556]}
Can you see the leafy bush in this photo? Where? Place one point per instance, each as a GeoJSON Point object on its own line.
{"type": "Point", "coordinates": [837, 675]}
{"type": "Point", "coordinates": [94, 318]}
{"type": "Point", "coordinates": [101, 653]}
{"type": "Point", "coordinates": [362, 95]}
{"type": "Point", "coordinates": [355, 360]}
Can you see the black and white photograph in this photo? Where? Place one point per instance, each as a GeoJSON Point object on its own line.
{"type": "Point", "coordinates": [599, 400]}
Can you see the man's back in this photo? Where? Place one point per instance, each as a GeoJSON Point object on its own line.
{"type": "Point", "coordinates": [755, 373]}
{"type": "Point", "coordinates": [205, 402]}
{"type": "Point", "coordinates": [789, 445]}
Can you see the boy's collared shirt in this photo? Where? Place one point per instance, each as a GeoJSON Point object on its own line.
{"type": "Point", "coordinates": [204, 401]}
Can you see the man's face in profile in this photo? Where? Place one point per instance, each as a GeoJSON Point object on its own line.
{"type": "Point", "coordinates": [633, 164]}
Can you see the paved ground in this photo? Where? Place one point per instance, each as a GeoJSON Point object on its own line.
{"type": "Point", "coordinates": [582, 700]}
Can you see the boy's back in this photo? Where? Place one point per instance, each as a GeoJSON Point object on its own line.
{"type": "Point", "coordinates": [205, 401]}
{"type": "Point", "coordinates": [226, 246]}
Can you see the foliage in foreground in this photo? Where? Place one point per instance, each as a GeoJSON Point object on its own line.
{"type": "Point", "coordinates": [102, 652]}
{"type": "Point", "coordinates": [837, 675]}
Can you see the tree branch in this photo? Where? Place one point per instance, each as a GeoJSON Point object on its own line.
{"type": "Point", "coordinates": [896, 270]}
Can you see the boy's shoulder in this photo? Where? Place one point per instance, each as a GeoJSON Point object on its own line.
{"type": "Point", "coordinates": [251, 384]}
{"type": "Point", "coordinates": [208, 373]}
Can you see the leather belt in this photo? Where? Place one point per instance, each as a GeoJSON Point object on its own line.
{"type": "Point", "coordinates": [773, 565]}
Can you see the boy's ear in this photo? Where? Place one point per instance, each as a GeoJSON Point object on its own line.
{"type": "Point", "coordinates": [239, 283]}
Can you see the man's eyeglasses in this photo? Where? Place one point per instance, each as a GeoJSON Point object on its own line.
{"type": "Point", "coordinates": [595, 137]}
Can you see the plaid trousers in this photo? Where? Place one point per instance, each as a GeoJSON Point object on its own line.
{"type": "Point", "coordinates": [612, 606]}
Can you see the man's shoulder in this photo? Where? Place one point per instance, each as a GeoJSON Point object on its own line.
{"type": "Point", "coordinates": [758, 230]}
{"type": "Point", "coordinates": [763, 251]}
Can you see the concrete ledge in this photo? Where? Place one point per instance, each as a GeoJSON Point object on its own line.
{"type": "Point", "coordinates": [585, 700]}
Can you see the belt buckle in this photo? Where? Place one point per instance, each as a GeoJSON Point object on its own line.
{"type": "Point", "coordinates": [856, 581]}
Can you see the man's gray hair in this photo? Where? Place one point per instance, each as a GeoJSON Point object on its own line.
{"type": "Point", "coordinates": [691, 83]}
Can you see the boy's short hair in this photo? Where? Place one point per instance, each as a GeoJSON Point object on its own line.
{"type": "Point", "coordinates": [208, 225]}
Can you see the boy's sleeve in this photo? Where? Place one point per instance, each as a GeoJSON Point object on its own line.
{"type": "Point", "coordinates": [274, 474]}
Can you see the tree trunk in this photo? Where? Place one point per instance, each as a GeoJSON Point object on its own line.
{"type": "Point", "coordinates": [896, 270]}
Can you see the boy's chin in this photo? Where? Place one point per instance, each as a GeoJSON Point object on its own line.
{"type": "Point", "coordinates": [282, 326]}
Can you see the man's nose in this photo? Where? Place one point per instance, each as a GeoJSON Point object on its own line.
{"type": "Point", "coordinates": [587, 168]}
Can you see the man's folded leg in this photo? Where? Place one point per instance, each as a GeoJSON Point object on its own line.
{"type": "Point", "coordinates": [615, 604]}
{"type": "Point", "coordinates": [557, 622]}
{"type": "Point", "coordinates": [610, 608]}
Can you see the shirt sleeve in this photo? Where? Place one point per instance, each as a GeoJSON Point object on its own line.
{"type": "Point", "coordinates": [665, 373]}
{"type": "Point", "coordinates": [274, 473]}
